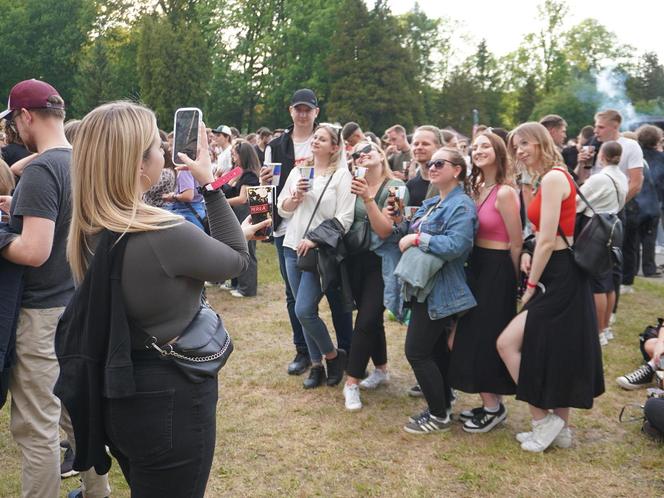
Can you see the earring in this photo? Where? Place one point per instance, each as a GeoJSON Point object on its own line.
{"type": "Point", "coordinates": [149, 181]}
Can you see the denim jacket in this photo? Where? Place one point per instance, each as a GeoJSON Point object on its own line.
{"type": "Point", "coordinates": [448, 233]}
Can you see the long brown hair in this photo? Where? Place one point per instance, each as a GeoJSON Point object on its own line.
{"type": "Point", "coordinates": [503, 170]}
{"type": "Point", "coordinates": [536, 134]}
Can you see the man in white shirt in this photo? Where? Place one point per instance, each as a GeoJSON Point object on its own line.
{"type": "Point", "coordinates": [223, 139]}
{"type": "Point", "coordinates": [293, 149]}
{"type": "Point", "coordinates": [607, 128]}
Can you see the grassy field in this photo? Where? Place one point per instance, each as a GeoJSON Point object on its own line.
{"type": "Point", "coordinates": [275, 439]}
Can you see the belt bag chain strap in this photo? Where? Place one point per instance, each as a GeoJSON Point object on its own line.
{"type": "Point", "coordinates": [202, 349]}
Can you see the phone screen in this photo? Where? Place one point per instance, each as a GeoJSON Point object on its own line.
{"type": "Point", "coordinates": [186, 133]}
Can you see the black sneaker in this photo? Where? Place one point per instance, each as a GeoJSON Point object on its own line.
{"type": "Point", "coordinates": [299, 364]}
{"type": "Point", "coordinates": [484, 421]}
{"type": "Point", "coordinates": [428, 424]}
{"type": "Point", "coordinates": [67, 465]}
{"type": "Point", "coordinates": [336, 367]}
{"type": "Point", "coordinates": [316, 377]}
{"type": "Point", "coordinates": [469, 414]}
{"type": "Point", "coordinates": [415, 391]}
{"type": "Point", "coordinates": [641, 377]}
{"type": "Point", "coordinates": [423, 414]}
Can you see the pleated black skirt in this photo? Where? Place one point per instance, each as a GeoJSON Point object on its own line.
{"type": "Point", "coordinates": [561, 359]}
{"type": "Point", "coordinates": [475, 364]}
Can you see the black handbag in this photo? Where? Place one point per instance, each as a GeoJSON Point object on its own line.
{"type": "Point", "coordinates": [202, 349]}
{"type": "Point", "coordinates": [309, 261]}
{"type": "Point", "coordinates": [358, 240]}
{"type": "Point", "coordinates": [593, 247]}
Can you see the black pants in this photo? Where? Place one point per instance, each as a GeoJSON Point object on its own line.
{"type": "Point", "coordinates": [164, 436]}
{"type": "Point", "coordinates": [429, 356]}
{"type": "Point", "coordinates": [368, 341]}
{"type": "Point", "coordinates": [247, 281]}
{"type": "Point", "coordinates": [654, 412]}
{"type": "Point", "coordinates": [639, 243]}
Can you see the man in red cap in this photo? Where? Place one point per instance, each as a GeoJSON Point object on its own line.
{"type": "Point", "coordinates": [40, 211]}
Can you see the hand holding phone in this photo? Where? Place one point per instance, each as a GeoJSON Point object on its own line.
{"type": "Point", "coordinates": [201, 167]}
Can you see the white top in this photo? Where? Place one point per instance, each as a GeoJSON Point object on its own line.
{"type": "Point", "coordinates": [601, 192]}
{"type": "Point", "coordinates": [224, 162]}
{"type": "Point", "coordinates": [303, 156]}
{"type": "Point", "coordinates": [338, 202]}
{"type": "Point", "coordinates": [632, 155]}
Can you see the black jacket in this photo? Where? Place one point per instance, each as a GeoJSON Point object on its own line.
{"type": "Point", "coordinates": [11, 288]}
{"type": "Point", "coordinates": [331, 259]}
{"type": "Point", "coordinates": [93, 346]}
{"type": "Point", "coordinates": [283, 152]}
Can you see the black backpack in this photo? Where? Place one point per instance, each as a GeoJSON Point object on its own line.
{"type": "Point", "coordinates": [599, 240]}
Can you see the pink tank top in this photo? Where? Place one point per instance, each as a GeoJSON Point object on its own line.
{"type": "Point", "coordinates": [492, 227]}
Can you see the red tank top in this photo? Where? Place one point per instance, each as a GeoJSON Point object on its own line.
{"type": "Point", "coordinates": [567, 208]}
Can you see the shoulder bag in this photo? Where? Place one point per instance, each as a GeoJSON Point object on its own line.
{"type": "Point", "coordinates": [358, 240]}
{"type": "Point", "coordinates": [309, 261]}
{"type": "Point", "coordinates": [593, 247]}
{"type": "Point", "coordinates": [203, 347]}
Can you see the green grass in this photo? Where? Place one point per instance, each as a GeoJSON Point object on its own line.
{"type": "Point", "coordinates": [275, 439]}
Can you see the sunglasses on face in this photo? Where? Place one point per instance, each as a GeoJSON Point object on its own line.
{"type": "Point", "coordinates": [439, 163]}
{"type": "Point", "coordinates": [364, 150]}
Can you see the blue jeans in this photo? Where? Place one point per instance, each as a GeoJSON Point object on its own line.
{"type": "Point", "coordinates": [298, 335]}
{"type": "Point", "coordinates": [182, 209]}
{"type": "Point", "coordinates": [307, 291]}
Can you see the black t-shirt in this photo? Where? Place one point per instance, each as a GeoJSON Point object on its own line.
{"type": "Point", "coordinates": [45, 192]}
{"type": "Point", "coordinates": [417, 190]}
{"type": "Point", "coordinates": [14, 152]}
{"type": "Point", "coordinates": [260, 153]}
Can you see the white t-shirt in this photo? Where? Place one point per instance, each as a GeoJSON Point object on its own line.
{"type": "Point", "coordinates": [337, 202]}
{"type": "Point", "coordinates": [224, 162]}
{"type": "Point", "coordinates": [632, 155]}
{"type": "Point", "coordinates": [601, 192]}
{"type": "Point", "coordinates": [303, 156]}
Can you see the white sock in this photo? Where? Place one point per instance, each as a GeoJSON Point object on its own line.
{"type": "Point", "coordinates": [495, 409]}
{"type": "Point", "coordinates": [652, 364]}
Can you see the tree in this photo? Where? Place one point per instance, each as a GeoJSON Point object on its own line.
{"type": "Point", "coordinates": [589, 46]}
{"type": "Point", "coordinates": [372, 75]}
{"type": "Point", "coordinates": [647, 82]}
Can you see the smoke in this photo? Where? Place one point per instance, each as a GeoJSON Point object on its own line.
{"type": "Point", "coordinates": [610, 84]}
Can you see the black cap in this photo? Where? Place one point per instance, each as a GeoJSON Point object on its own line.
{"type": "Point", "coordinates": [306, 97]}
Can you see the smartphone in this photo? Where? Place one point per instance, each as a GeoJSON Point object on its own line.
{"type": "Point", "coordinates": [185, 126]}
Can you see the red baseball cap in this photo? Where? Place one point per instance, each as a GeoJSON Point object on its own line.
{"type": "Point", "coordinates": [30, 94]}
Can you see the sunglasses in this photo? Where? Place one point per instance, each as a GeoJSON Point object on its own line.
{"type": "Point", "coordinates": [439, 163]}
{"type": "Point", "coordinates": [364, 150]}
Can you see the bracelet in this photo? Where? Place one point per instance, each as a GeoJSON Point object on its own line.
{"type": "Point", "coordinates": [530, 285]}
{"type": "Point", "coordinates": [417, 240]}
{"type": "Point", "coordinates": [370, 199]}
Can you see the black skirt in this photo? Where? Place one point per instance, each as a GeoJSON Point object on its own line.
{"type": "Point", "coordinates": [561, 359]}
{"type": "Point", "coordinates": [475, 364]}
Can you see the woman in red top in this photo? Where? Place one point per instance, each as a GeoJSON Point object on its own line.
{"type": "Point", "coordinates": [551, 348]}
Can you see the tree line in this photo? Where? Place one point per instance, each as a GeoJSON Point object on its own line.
{"type": "Point", "coordinates": [240, 61]}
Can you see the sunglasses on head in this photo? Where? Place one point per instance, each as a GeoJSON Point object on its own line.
{"type": "Point", "coordinates": [439, 163]}
{"type": "Point", "coordinates": [364, 150]}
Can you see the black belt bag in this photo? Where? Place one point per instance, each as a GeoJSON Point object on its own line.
{"type": "Point", "coordinates": [202, 349]}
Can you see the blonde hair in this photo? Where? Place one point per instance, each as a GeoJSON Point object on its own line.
{"type": "Point", "coordinates": [111, 143]}
{"type": "Point", "coordinates": [536, 134]}
{"type": "Point", "coordinates": [7, 182]}
{"type": "Point", "coordinates": [335, 136]}
{"type": "Point", "coordinates": [386, 171]}
{"type": "Point", "coordinates": [609, 115]}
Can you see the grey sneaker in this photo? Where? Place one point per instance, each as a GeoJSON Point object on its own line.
{"type": "Point", "coordinates": [428, 424]}
{"type": "Point", "coordinates": [374, 380]}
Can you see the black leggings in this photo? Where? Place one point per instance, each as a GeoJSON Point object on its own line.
{"type": "Point", "coordinates": [429, 356]}
{"type": "Point", "coordinates": [366, 280]}
{"type": "Point", "coordinates": [163, 437]}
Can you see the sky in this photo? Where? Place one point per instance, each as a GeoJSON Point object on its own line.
{"type": "Point", "coordinates": [503, 23]}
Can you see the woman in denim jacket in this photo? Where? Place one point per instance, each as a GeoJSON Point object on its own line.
{"type": "Point", "coordinates": [444, 226]}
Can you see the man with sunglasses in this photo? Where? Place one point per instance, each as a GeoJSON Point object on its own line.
{"type": "Point", "coordinates": [293, 149]}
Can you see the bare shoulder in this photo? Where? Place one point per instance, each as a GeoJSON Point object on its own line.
{"type": "Point", "coordinates": [507, 193]}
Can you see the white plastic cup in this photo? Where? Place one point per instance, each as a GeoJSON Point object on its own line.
{"type": "Point", "coordinates": [307, 173]}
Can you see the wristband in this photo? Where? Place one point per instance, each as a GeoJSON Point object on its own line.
{"type": "Point", "coordinates": [370, 199]}
{"type": "Point", "coordinates": [530, 285]}
{"type": "Point", "coordinates": [417, 240]}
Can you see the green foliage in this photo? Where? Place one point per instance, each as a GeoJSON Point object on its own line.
{"type": "Point", "coordinates": [647, 82]}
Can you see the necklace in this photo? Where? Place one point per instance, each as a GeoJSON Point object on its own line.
{"type": "Point", "coordinates": [490, 185]}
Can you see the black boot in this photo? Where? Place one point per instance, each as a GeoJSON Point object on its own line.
{"type": "Point", "coordinates": [316, 377]}
{"type": "Point", "coordinates": [336, 368]}
{"type": "Point", "coordinates": [299, 364]}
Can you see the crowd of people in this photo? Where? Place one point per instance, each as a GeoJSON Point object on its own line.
{"type": "Point", "coordinates": [467, 242]}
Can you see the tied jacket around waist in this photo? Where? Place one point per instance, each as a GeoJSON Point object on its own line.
{"type": "Point", "coordinates": [448, 232]}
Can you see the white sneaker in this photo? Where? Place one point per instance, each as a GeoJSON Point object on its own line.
{"type": "Point", "coordinates": [608, 333]}
{"type": "Point", "coordinates": [226, 286]}
{"type": "Point", "coordinates": [374, 380]}
{"type": "Point", "coordinates": [563, 440]}
{"type": "Point", "coordinates": [352, 397]}
{"type": "Point", "coordinates": [612, 319]}
{"type": "Point", "coordinates": [626, 289]}
{"type": "Point", "coordinates": [544, 432]}
{"type": "Point", "coordinates": [237, 293]}
{"type": "Point", "coordinates": [603, 341]}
